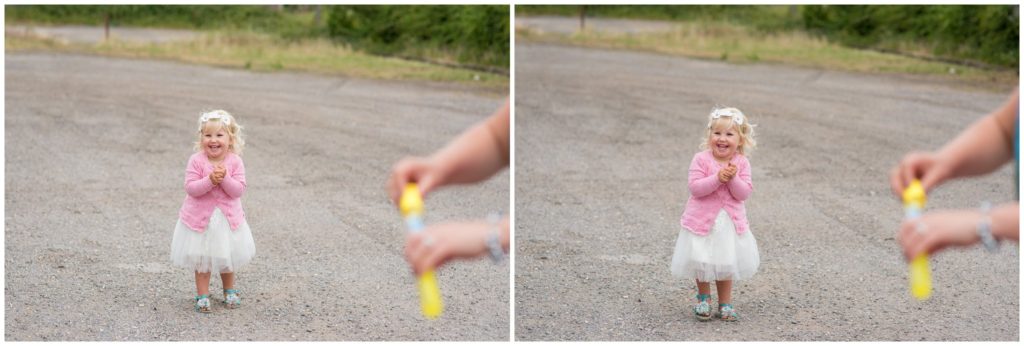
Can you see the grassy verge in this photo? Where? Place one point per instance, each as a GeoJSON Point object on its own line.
{"type": "Point", "coordinates": [738, 44]}
{"type": "Point", "coordinates": [264, 52]}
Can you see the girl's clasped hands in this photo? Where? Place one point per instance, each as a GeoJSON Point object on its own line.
{"type": "Point", "coordinates": [218, 174]}
{"type": "Point", "coordinates": [727, 173]}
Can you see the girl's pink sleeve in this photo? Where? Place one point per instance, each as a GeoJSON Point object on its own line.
{"type": "Point", "coordinates": [196, 184]}
{"type": "Point", "coordinates": [741, 186]}
{"type": "Point", "coordinates": [234, 183]}
{"type": "Point", "coordinates": [701, 183]}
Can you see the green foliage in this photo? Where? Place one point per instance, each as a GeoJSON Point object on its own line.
{"type": "Point", "coordinates": [261, 18]}
{"type": "Point", "coordinates": [987, 33]}
{"type": "Point", "coordinates": [290, 22]}
{"type": "Point", "coordinates": [476, 35]}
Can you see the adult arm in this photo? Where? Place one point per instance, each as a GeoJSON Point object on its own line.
{"type": "Point", "coordinates": [475, 155]}
{"type": "Point", "coordinates": [938, 230]}
{"type": "Point", "coordinates": [981, 148]}
{"type": "Point", "coordinates": [450, 241]}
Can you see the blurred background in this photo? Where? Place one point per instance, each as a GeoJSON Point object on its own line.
{"type": "Point", "coordinates": [437, 43]}
{"type": "Point", "coordinates": [961, 42]}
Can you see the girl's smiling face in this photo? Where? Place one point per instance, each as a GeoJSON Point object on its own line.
{"type": "Point", "coordinates": [216, 141]}
{"type": "Point", "coordinates": [724, 139]}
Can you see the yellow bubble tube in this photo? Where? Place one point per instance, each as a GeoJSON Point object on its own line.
{"type": "Point", "coordinates": [411, 207]}
{"type": "Point", "coordinates": [914, 200]}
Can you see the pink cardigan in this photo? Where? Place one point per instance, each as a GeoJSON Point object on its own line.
{"type": "Point", "coordinates": [708, 195]}
{"type": "Point", "coordinates": [202, 196]}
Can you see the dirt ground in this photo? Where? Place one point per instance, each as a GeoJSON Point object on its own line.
{"type": "Point", "coordinates": [603, 142]}
{"type": "Point", "coordinates": [95, 157]}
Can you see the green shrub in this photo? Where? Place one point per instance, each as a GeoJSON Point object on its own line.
{"type": "Point", "coordinates": [477, 35]}
{"type": "Point", "coordinates": [473, 35]}
{"type": "Point", "coordinates": [261, 18]}
{"type": "Point", "coordinates": [987, 33]}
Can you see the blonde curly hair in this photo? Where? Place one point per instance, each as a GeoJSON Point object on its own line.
{"type": "Point", "coordinates": [223, 120]}
{"type": "Point", "coordinates": [731, 117]}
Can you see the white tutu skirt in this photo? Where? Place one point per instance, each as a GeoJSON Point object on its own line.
{"type": "Point", "coordinates": [218, 249]}
{"type": "Point", "coordinates": [720, 255]}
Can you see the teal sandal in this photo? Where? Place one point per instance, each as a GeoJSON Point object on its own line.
{"type": "Point", "coordinates": [203, 304]}
{"type": "Point", "coordinates": [702, 310]}
{"type": "Point", "coordinates": [727, 313]}
{"type": "Point", "coordinates": [231, 299]}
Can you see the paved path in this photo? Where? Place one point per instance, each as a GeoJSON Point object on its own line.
{"type": "Point", "coordinates": [95, 157]}
{"type": "Point", "coordinates": [567, 25]}
{"type": "Point", "coordinates": [603, 142]}
{"type": "Point", "coordinates": [95, 34]}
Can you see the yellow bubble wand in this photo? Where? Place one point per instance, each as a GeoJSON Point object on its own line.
{"type": "Point", "coordinates": [920, 275]}
{"type": "Point", "coordinates": [411, 207]}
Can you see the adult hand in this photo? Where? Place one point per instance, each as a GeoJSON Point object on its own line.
{"type": "Point", "coordinates": [440, 243]}
{"type": "Point", "coordinates": [926, 166]}
{"type": "Point", "coordinates": [937, 230]}
{"type": "Point", "coordinates": [421, 170]}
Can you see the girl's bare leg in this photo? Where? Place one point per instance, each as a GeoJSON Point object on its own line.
{"type": "Point", "coordinates": [202, 283]}
{"type": "Point", "coordinates": [228, 279]}
{"type": "Point", "coordinates": [724, 291]}
{"type": "Point", "coordinates": [704, 288]}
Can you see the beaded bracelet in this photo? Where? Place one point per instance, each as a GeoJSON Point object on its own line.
{"type": "Point", "coordinates": [493, 240]}
{"type": "Point", "coordinates": [984, 229]}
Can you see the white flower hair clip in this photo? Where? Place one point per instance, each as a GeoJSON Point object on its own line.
{"type": "Point", "coordinates": [732, 113]}
{"type": "Point", "coordinates": [215, 115]}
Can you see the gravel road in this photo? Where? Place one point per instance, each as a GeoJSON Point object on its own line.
{"type": "Point", "coordinates": [565, 25]}
{"type": "Point", "coordinates": [95, 157]}
{"type": "Point", "coordinates": [93, 34]}
{"type": "Point", "coordinates": [603, 142]}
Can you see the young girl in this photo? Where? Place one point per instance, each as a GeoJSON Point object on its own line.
{"type": "Point", "coordinates": [212, 234]}
{"type": "Point", "coordinates": [715, 243]}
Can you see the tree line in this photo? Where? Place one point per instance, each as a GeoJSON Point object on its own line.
{"type": "Point", "coordinates": [475, 35]}
{"type": "Point", "coordinates": [983, 33]}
